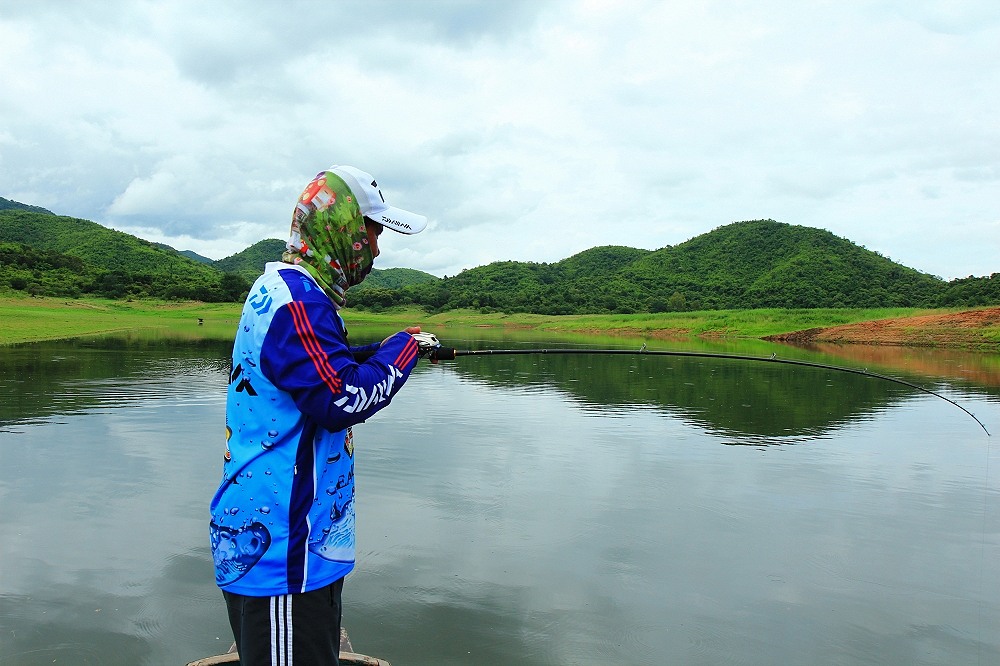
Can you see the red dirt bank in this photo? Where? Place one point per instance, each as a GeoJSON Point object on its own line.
{"type": "Point", "coordinates": [971, 329]}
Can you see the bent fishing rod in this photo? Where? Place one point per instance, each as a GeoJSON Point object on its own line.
{"type": "Point", "coordinates": [431, 349]}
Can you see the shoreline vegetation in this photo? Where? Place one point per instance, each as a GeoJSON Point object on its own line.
{"type": "Point", "coordinates": [30, 319]}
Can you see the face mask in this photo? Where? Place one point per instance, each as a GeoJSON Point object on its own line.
{"type": "Point", "coordinates": [328, 236]}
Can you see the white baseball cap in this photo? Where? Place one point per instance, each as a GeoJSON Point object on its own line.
{"type": "Point", "coordinates": [373, 204]}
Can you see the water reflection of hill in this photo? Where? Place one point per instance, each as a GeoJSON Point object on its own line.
{"type": "Point", "coordinates": [978, 369]}
{"type": "Point", "coordinates": [732, 398]}
{"type": "Point", "coordinates": [735, 398]}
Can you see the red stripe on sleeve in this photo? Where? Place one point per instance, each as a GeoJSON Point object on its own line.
{"type": "Point", "coordinates": [407, 354]}
{"type": "Point", "coordinates": [304, 329]}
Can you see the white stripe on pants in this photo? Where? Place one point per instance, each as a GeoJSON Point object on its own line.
{"type": "Point", "coordinates": [281, 631]}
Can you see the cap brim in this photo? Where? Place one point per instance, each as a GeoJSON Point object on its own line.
{"type": "Point", "coordinates": [400, 220]}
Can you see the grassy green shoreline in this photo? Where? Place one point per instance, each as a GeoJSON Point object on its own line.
{"type": "Point", "coordinates": [37, 319]}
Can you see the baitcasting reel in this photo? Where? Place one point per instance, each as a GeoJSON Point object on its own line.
{"type": "Point", "coordinates": [427, 343]}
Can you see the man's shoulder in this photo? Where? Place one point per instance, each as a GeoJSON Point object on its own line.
{"type": "Point", "coordinates": [279, 286]}
{"type": "Point", "coordinates": [286, 283]}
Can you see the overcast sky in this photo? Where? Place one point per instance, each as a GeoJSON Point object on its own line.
{"type": "Point", "coordinates": [523, 130]}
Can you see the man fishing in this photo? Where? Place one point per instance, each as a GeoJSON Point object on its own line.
{"type": "Point", "coordinates": [282, 528]}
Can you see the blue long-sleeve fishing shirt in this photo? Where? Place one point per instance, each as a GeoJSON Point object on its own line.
{"type": "Point", "coordinates": [283, 516]}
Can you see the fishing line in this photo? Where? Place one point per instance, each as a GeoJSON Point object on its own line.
{"type": "Point", "coordinates": [982, 547]}
{"type": "Point", "coordinates": [439, 353]}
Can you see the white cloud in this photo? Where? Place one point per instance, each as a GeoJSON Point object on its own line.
{"type": "Point", "coordinates": [527, 130]}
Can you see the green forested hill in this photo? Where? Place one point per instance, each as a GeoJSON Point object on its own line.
{"type": "Point", "coordinates": [599, 261]}
{"type": "Point", "coordinates": [754, 264]}
{"type": "Point", "coordinates": [571, 285]}
{"type": "Point", "coordinates": [64, 256]}
{"type": "Point", "coordinates": [764, 263]}
{"type": "Point", "coordinates": [98, 245]}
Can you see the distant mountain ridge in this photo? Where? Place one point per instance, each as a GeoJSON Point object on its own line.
{"type": "Point", "coordinates": [250, 264]}
{"type": "Point", "coordinates": [751, 264]}
{"type": "Point", "coordinates": [55, 255]}
{"type": "Point", "coordinates": [8, 204]}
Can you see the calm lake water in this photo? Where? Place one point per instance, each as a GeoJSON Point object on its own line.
{"type": "Point", "coordinates": [530, 509]}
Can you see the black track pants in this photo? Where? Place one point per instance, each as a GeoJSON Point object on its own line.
{"type": "Point", "coordinates": [288, 630]}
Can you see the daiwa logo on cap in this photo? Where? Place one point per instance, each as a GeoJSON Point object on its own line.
{"type": "Point", "coordinates": [396, 224]}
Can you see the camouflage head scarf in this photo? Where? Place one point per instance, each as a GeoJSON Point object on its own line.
{"type": "Point", "coordinates": [328, 236]}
